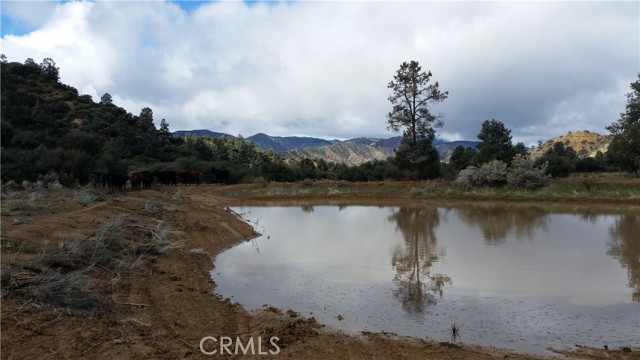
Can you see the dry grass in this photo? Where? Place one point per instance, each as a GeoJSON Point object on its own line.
{"type": "Point", "coordinates": [14, 247]}
{"type": "Point", "coordinates": [150, 207]}
{"type": "Point", "coordinates": [88, 195]}
{"type": "Point", "coordinates": [21, 205]}
{"type": "Point", "coordinates": [58, 275]}
{"type": "Point", "coordinates": [65, 291]}
{"type": "Point", "coordinates": [198, 251]}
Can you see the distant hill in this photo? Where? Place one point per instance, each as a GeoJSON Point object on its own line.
{"type": "Point", "coordinates": [585, 143]}
{"type": "Point", "coordinates": [351, 152]}
{"type": "Point", "coordinates": [360, 150]}
{"type": "Point", "coordinates": [264, 141]}
{"type": "Point", "coordinates": [285, 143]}
{"type": "Point", "coordinates": [202, 132]}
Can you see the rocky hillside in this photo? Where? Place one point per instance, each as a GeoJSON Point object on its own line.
{"type": "Point", "coordinates": [360, 150]}
{"type": "Point", "coordinates": [585, 143]}
{"type": "Point", "coordinates": [350, 152]}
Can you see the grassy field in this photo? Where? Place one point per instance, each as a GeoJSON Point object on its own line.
{"type": "Point", "coordinates": [597, 189]}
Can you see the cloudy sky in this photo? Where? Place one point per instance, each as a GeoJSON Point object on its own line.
{"type": "Point", "coordinates": [321, 68]}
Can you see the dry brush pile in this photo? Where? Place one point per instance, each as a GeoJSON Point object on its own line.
{"type": "Point", "coordinates": [61, 275]}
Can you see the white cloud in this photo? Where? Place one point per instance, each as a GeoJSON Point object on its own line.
{"type": "Point", "coordinates": [321, 68]}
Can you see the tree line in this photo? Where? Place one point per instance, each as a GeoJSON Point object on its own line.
{"type": "Point", "coordinates": [496, 160]}
{"type": "Point", "coordinates": [50, 130]}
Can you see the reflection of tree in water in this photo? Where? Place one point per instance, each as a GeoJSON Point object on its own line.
{"type": "Point", "coordinates": [590, 215]}
{"type": "Point", "coordinates": [495, 221]}
{"type": "Point", "coordinates": [417, 287]}
{"type": "Point", "coordinates": [307, 208]}
{"type": "Point", "coordinates": [624, 245]}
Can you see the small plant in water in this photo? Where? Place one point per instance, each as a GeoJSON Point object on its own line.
{"type": "Point", "coordinates": [455, 332]}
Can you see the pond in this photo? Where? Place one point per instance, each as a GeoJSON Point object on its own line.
{"type": "Point", "coordinates": [520, 277]}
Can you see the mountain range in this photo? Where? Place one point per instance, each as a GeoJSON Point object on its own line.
{"type": "Point", "coordinates": [360, 150]}
{"type": "Point", "coordinates": [351, 152]}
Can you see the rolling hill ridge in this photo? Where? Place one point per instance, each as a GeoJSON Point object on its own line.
{"type": "Point", "coordinates": [354, 151]}
{"type": "Point", "coordinates": [357, 151]}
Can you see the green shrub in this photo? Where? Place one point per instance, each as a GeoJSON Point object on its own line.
{"type": "Point", "coordinates": [466, 177]}
{"type": "Point", "coordinates": [492, 173]}
{"type": "Point", "coordinates": [525, 175]}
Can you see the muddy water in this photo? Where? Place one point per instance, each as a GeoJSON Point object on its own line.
{"type": "Point", "coordinates": [521, 277]}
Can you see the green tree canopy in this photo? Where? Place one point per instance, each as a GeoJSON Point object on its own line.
{"type": "Point", "coordinates": [418, 161]}
{"type": "Point", "coordinates": [461, 157]}
{"type": "Point", "coordinates": [49, 69]}
{"type": "Point", "coordinates": [411, 99]}
{"type": "Point", "coordinates": [106, 99]}
{"type": "Point", "coordinates": [495, 142]}
{"type": "Point", "coordinates": [561, 160]}
{"type": "Point", "coordinates": [624, 149]}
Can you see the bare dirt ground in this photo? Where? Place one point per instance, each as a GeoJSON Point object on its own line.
{"type": "Point", "coordinates": [151, 296]}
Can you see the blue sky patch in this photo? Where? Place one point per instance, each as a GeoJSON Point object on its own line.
{"type": "Point", "coordinates": [13, 26]}
{"type": "Point", "coordinates": [191, 5]}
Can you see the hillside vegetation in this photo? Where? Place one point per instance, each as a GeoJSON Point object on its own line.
{"type": "Point", "coordinates": [51, 133]}
{"type": "Point", "coordinates": [47, 128]}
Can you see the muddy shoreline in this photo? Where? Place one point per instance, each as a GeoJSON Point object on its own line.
{"type": "Point", "coordinates": [164, 307]}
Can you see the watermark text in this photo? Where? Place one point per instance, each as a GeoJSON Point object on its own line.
{"type": "Point", "coordinates": [225, 345]}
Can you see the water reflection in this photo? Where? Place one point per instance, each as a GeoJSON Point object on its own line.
{"type": "Point", "coordinates": [416, 286]}
{"type": "Point", "coordinates": [590, 215]}
{"type": "Point", "coordinates": [624, 245]}
{"type": "Point", "coordinates": [307, 208]}
{"type": "Point", "coordinates": [386, 269]}
{"type": "Point", "coordinates": [496, 221]}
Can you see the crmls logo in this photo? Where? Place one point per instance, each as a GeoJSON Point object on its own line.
{"type": "Point", "coordinates": [210, 345]}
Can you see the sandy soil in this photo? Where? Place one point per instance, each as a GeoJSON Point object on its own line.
{"type": "Point", "coordinates": [162, 307]}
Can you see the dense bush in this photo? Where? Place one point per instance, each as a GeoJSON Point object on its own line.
{"type": "Point", "coordinates": [419, 160]}
{"type": "Point", "coordinates": [590, 164]}
{"type": "Point", "coordinates": [525, 175]}
{"type": "Point", "coordinates": [492, 173]}
{"type": "Point", "coordinates": [461, 157]}
{"type": "Point", "coordinates": [561, 160]}
{"type": "Point", "coordinates": [466, 177]}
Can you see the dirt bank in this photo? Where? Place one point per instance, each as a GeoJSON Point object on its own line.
{"type": "Point", "coordinates": [151, 295]}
